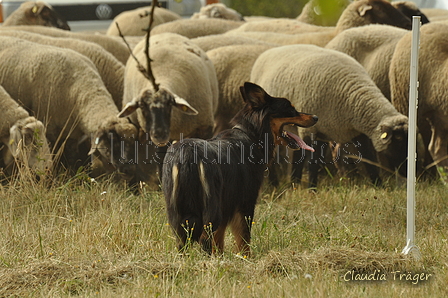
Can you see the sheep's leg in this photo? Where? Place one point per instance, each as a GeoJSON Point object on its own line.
{"type": "Point", "coordinates": [241, 226]}
{"type": "Point", "coordinates": [161, 152]}
{"type": "Point", "coordinates": [368, 152]}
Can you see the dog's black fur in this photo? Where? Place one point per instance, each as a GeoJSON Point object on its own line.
{"type": "Point", "coordinates": [210, 184]}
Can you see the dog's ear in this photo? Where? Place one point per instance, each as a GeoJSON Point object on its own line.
{"type": "Point", "coordinates": [253, 94]}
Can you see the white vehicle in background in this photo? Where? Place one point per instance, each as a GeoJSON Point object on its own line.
{"type": "Point", "coordinates": [98, 14]}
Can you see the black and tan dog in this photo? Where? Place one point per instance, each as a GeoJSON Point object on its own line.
{"type": "Point", "coordinates": [209, 184]}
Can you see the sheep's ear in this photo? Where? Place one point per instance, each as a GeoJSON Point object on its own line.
{"type": "Point", "coordinates": [94, 144]}
{"type": "Point", "coordinates": [184, 106]}
{"type": "Point", "coordinates": [363, 9]}
{"type": "Point", "coordinates": [130, 108]}
{"type": "Point", "coordinates": [253, 94]}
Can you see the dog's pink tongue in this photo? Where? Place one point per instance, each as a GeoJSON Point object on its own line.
{"type": "Point", "coordinates": [299, 141]}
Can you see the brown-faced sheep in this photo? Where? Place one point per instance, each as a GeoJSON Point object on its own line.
{"type": "Point", "coordinates": [372, 46]}
{"type": "Point", "coordinates": [64, 90]}
{"type": "Point", "coordinates": [187, 81]}
{"type": "Point", "coordinates": [192, 28]}
{"type": "Point", "coordinates": [112, 45]}
{"type": "Point", "coordinates": [23, 135]}
{"type": "Point", "coordinates": [337, 89]}
{"type": "Point", "coordinates": [432, 91]}
{"type": "Point", "coordinates": [219, 11]}
{"type": "Point", "coordinates": [135, 22]}
{"type": "Point", "coordinates": [110, 69]}
{"type": "Point", "coordinates": [185, 74]}
{"type": "Point", "coordinates": [36, 13]}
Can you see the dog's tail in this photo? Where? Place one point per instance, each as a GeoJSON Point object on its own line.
{"type": "Point", "coordinates": [192, 192]}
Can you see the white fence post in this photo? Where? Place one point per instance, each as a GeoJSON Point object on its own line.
{"type": "Point", "coordinates": [410, 248]}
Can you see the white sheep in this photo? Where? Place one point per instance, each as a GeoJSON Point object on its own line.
{"type": "Point", "coordinates": [135, 22]}
{"type": "Point", "coordinates": [64, 90]}
{"type": "Point", "coordinates": [23, 135]}
{"type": "Point", "coordinates": [218, 10]}
{"type": "Point", "coordinates": [432, 90]}
{"type": "Point", "coordinates": [322, 13]}
{"type": "Point", "coordinates": [337, 89]}
{"type": "Point", "coordinates": [192, 28]}
{"type": "Point", "coordinates": [110, 69]}
{"type": "Point", "coordinates": [112, 45]}
{"type": "Point", "coordinates": [36, 13]}
{"type": "Point", "coordinates": [210, 42]}
{"type": "Point", "coordinates": [233, 65]}
{"type": "Point", "coordinates": [372, 46]}
{"type": "Point", "coordinates": [187, 81]}
{"type": "Point", "coordinates": [358, 13]}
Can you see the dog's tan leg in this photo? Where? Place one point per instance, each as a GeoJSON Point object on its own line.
{"type": "Point", "coordinates": [218, 239]}
{"type": "Point", "coordinates": [240, 226]}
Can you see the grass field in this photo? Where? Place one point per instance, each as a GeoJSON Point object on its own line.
{"type": "Point", "coordinates": [96, 239]}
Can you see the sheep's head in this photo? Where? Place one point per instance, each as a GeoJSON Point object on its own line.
{"type": "Point", "coordinates": [28, 145]}
{"type": "Point", "coordinates": [218, 11]}
{"type": "Point", "coordinates": [373, 12]}
{"type": "Point", "coordinates": [36, 13]}
{"type": "Point", "coordinates": [391, 139]}
{"type": "Point", "coordinates": [154, 112]}
{"type": "Point", "coordinates": [113, 146]}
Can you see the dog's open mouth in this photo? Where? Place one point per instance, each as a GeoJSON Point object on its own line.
{"type": "Point", "coordinates": [294, 141]}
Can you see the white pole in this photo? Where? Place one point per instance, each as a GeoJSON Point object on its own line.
{"type": "Point", "coordinates": [410, 247]}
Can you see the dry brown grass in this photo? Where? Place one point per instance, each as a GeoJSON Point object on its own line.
{"type": "Point", "coordinates": [96, 239]}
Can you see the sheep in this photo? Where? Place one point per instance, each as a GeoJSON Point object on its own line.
{"type": "Point", "coordinates": [372, 46]}
{"type": "Point", "coordinates": [218, 10]}
{"type": "Point", "coordinates": [336, 88]}
{"type": "Point", "coordinates": [358, 13]}
{"type": "Point", "coordinates": [233, 65]}
{"type": "Point", "coordinates": [318, 12]}
{"type": "Point", "coordinates": [110, 69]}
{"type": "Point", "coordinates": [135, 22]}
{"type": "Point", "coordinates": [187, 81]}
{"type": "Point", "coordinates": [192, 28]}
{"type": "Point", "coordinates": [326, 14]}
{"type": "Point", "coordinates": [432, 89]}
{"type": "Point", "coordinates": [113, 46]}
{"type": "Point", "coordinates": [211, 42]}
{"type": "Point", "coordinates": [23, 135]}
{"type": "Point", "coordinates": [36, 13]}
{"type": "Point", "coordinates": [64, 90]}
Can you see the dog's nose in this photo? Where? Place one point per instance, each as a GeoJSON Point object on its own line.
{"type": "Point", "coordinates": [315, 118]}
